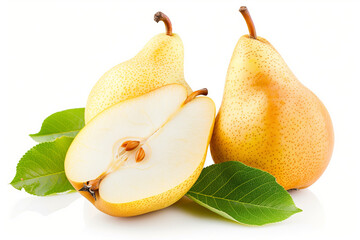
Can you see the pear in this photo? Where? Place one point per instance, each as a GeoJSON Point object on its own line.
{"type": "Point", "coordinates": [159, 63]}
{"type": "Point", "coordinates": [144, 153]}
{"type": "Point", "coordinates": [268, 119]}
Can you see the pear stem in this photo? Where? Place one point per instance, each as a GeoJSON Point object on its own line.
{"type": "Point", "coordinates": [159, 16]}
{"type": "Point", "coordinates": [193, 95]}
{"type": "Point", "coordinates": [245, 12]}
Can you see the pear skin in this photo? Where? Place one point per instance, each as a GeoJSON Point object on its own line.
{"type": "Point", "coordinates": [159, 63]}
{"type": "Point", "coordinates": [268, 119]}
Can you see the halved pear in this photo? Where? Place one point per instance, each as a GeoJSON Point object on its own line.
{"type": "Point", "coordinates": [142, 154]}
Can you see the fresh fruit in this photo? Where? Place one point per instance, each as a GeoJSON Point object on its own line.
{"type": "Point", "coordinates": [159, 63]}
{"type": "Point", "coordinates": [142, 154]}
{"type": "Point", "coordinates": [268, 119]}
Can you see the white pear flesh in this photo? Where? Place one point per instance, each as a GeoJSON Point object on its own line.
{"type": "Point", "coordinates": [174, 136]}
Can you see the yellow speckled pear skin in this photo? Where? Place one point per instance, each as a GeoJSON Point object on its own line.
{"type": "Point", "coordinates": [268, 119]}
{"type": "Point", "coordinates": [159, 63]}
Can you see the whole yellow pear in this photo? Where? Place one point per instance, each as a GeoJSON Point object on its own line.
{"type": "Point", "coordinates": [268, 119]}
{"type": "Point", "coordinates": [159, 63]}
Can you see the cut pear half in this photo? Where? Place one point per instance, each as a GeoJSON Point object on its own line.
{"type": "Point", "coordinates": [142, 154]}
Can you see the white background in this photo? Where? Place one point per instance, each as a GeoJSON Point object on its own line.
{"type": "Point", "coordinates": [53, 52]}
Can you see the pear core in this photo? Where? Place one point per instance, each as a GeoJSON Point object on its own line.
{"type": "Point", "coordinates": [172, 134]}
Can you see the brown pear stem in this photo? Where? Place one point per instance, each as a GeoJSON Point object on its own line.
{"type": "Point", "coordinates": [159, 16]}
{"type": "Point", "coordinates": [245, 12]}
{"type": "Point", "coordinates": [202, 91]}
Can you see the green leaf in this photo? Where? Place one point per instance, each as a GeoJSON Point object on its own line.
{"type": "Point", "coordinates": [243, 194]}
{"type": "Point", "coordinates": [64, 123]}
{"type": "Point", "coordinates": [41, 170]}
